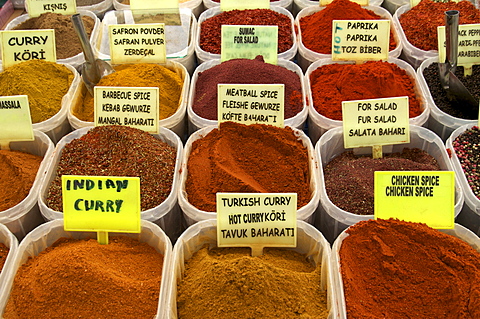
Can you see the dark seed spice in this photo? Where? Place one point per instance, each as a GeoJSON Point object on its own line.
{"type": "Point", "coordinates": [118, 151]}
{"type": "Point", "coordinates": [453, 108]}
{"type": "Point", "coordinates": [349, 179]}
{"type": "Point", "coordinates": [467, 149]}
{"type": "Point", "coordinates": [210, 29]}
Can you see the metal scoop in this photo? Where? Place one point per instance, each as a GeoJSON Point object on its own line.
{"type": "Point", "coordinates": [454, 87]}
{"type": "Point", "coordinates": [92, 69]}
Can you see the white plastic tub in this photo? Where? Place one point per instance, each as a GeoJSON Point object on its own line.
{"type": "Point", "coordinates": [163, 214]}
{"type": "Point", "coordinates": [306, 56]}
{"type": "Point", "coordinates": [330, 219]}
{"type": "Point", "coordinates": [179, 39]}
{"type": "Point", "coordinates": [309, 242]}
{"type": "Point", "coordinates": [203, 56]}
{"type": "Point", "coordinates": [45, 235]}
{"type": "Point", "coordinates": [193, 214]}
{"type": "Point", "coordinates": [318, 124]}
{"type": "Point", "coordinates": [470, 214]}
{"type": "Point", "coordinates": [440, 122]}
{"type": "Point", "coordinates": [196, 122]}
{"type": "Point", "coordinates": [25, 216]}
{"type": "Point", "coordinates": [175, 123]}
{"type": "Point", "coordinates": [459, 232]}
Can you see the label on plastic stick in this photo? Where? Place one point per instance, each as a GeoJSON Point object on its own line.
{"type": "Point", "coordinates": [15, 120]}
{"type": "Point", "coordinates": [375, 122]}
{"type": "Point", "coordinates": [101, 203]}
{"type": "Point", "coordinates": [36, 7]}
{"type": "Point", "coordinates": [468, 44]}
{"type": "Point", "coordinates": [137, 43]}
{"type": "Point", "coordinates": [256, 220]}
{"type": "Point", "coordinates": [156, 11]}
{"type": "Point", "coordinates": [422, 196]}
{"type": "Point", "coordinates": [130, 106]}
{"type": "Point", "coordinates": [227, 5]}
{"type": "Point", "coordinates": [360, 40]}
{"type": "Point", "coordinates": [251, 103]}
{"type": "Point", "coordinates": [248, 41]}
{"type": "Point", "coordinates": [23, 45]}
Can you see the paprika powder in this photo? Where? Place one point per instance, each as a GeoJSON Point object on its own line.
{"type": "Point", "coordinates": [316, 29]}
{"type": "Point", "coordinates": [333, 83]}
{"type": "Point", "coordinates": [396, 269]}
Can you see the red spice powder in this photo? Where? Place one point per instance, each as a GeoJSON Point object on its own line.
{"type": "Point", "coordinates": [210, 29]}
{"type": "Point", "coordinates": [420, 23]}
{"type": "Point", "coordinates": [333, 83]}
{"type": "Point", "coordinates": [317, 28]}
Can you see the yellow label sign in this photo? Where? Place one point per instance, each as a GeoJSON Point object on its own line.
{"type": "Point", "coordinates": [37, 7]}
{"type": "Point", "coordinates": [131, 106]}
{"type": "Point", "coordinates": [413, 3]}
{"type": "Point", "coordinates": [101, 203]}
{"type": "Point", "coordinates": [256, 220]}
{"type": "Point", "coordinates": [324, 3]}
{"type": "Point", "coordinates": [423, 197]}
{"type": "Point", "coordinates": [251, 103]}
{"type": "Point", "coordinates": [15, 120]}
{"type": "Point", "coordinates": [24, 45]}
{"type": "Point", "coordinates": [227, 5]}
{"type": "Point", "coordinates": [137, 43]}
{"type": "Point", "coordinates": [248, 41]}
{"type": "Point", "coordinates": [155, 11]}
{"type": "Point", "coordinates": [360, 40]}
{"type": "Point", "coordinates": [468, 44]}
{"type": "Point", "coordinates": [375, 122]}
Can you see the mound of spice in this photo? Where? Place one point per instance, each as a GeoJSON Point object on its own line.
{"type": "Point", "coordinates": [18, 171]}
{"type": "Point", "coordinates": [4, 250]}
{"type": "Point", "coordinates": [467, 149]}
{"type": "Point", "coordinates": [420, 22]}
{"type": "Point", "coordinates": [349, 179]}
{"type": "Point", "coordinates": [333, 83]}
{"type": "Point", "coordinates": [210, 29]}
{"type": "Point", "coordinates": [439, 94]}
{"type": "Point", "coordinates": [83, 279]}
{"type": "Point", "coordinates": [170, 86]}
{"type": "Point", "coordinates": [317, 28]}
{"type": "Point", "coordinates": [247, 159]}
{"type": "Point", "coordinates": [396, 269]}
{"type": "Point", "coordinates": [245, 71]}
{"type": "Point", "coordinates": [44, 82]}
{"type": "Point", "coordinates": [118, 151]}
{"type": "Point", "coordinates": [66, 39]}
{"type": "Point", "coordinates": [229, 283]}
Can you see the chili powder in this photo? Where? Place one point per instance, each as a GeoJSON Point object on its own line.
{"type": "Point", "coordinates": [210, 29]}
{"type": "Point", "coordinates": [115, 150]}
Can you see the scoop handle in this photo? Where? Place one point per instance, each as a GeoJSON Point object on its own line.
{"type": "Point", "coordinates": [451, 37]}
{"type": "Point", "coordinates": [87, 48]}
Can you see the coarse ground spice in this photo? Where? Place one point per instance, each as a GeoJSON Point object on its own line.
{"type": "Point", "coordinates": [4, 250]}
{"type": "Point", "coordinates": [333, 83]}
{"type": "Point", "coordinates": [66, 39]}
{"type": "Point", "coordinates": [169, 85]}
{"type": "Point", "coordinates": [396, 269]}
{"type": "Point", "coordinates": [439, 94]}
{"type": "Point", "coordinates": [349, 179]}
{"type": "Point", "coordinates": [210, 29]}
{"type": "Point", "coordinates": [241, 158]}
{"type": "Point", "coordinates": [245, 71]}
{"type": "Point", "coordinates": [420, 23]}
{"type": "Point", "coordinates": [467, 149]}
{"type": "Point", "coordinates": [317, 28]}
{"type": "Point", "coordinates": [45, 83]}
{"type": "Point", "coordinates": [18, 171]}
{"type": "Point", "coordinates": [87, 2]}
{"type": "Point", "coordinates": [83, 279]}
{"type": "Point", "coordinates": [114, 150]}
{"type": "Point", "coordinates": [229, 283]}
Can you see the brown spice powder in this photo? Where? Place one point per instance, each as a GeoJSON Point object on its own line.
{"type": "Point", "coordinates": [229, 283]}
{"type": "Point", "coordinates": [83, 279]}
{"type": "Point", "coordinates": [3, 255]}
{"type": "Point", "coordinates": [18, 171]}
